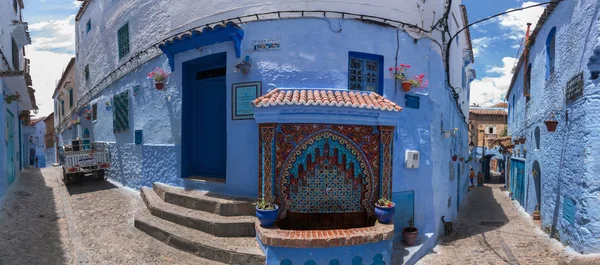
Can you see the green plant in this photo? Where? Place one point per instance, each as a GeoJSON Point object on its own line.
{"type": "Point", "coordinates": [10, 98]}
{"type": "Point", "coordinates": [262, 204]}
{"type": "Point", "coordinates": [504, 132]}
{"type": "Point", "coordinates": [411, 222]}
{"type": "Point", "coordinates": [384, 203]}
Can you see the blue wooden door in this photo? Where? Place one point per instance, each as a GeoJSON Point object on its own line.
{"type": "Point", "coordinates": [518, 180]}
{"type": "Point", "coordinates": [10, 161]}
{"type": "Point", "coordinates": [204, 135]}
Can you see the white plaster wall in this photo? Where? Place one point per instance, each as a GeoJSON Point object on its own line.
{"type": "Point", "coordinates": [7, 14]}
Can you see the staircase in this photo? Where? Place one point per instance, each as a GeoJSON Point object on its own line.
{"type": "Point", "coordinates": [208, 225]}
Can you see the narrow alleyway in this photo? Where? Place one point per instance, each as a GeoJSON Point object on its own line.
{"type": "Point", "coordinates": [43, 222]}
{"type": "Point", "coordinates": [491, 229]}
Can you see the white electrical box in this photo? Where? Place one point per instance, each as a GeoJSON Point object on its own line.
{"type": "Point", "coordinates": [411, 158]}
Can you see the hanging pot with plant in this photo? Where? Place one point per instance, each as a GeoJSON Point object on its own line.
{"type": "Point", "coordinates": [454, 157]}
{"type": "Point", "coordinates": [551, 123]}
{"type": "Point", "coordinates": [159, 76]}
{"type": "Point", "coordinates": [10, 98]}
{"type": "Point", "coordinates": [462, 159]}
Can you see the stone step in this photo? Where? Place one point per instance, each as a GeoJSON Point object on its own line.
{"type": "Point", "coordinates": [214, 224]}
{"type": "Point", "coordinates": [226, 250]}
{"type": "Point", "coordinates": [206, 201]}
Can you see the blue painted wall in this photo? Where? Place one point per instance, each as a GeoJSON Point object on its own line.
{"type": "Point", "coordinates": [318, 58]}
{"type": "Point", "coordinates": [566, 157]}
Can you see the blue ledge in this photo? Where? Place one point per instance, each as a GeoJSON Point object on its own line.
{"type": "Point", "coordinates": [204, 36]}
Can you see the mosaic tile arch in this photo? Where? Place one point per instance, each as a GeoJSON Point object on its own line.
{"type": "Point", "coordinates": [325, 169]}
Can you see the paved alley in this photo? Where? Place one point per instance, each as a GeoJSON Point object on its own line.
{"type": "Point", "coordinates": [491, 229]}
{"type": "Point", "coordinates": [43, 222]}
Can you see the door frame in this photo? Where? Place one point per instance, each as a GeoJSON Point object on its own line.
{"type": "Point", "coordinates": [188, 68]}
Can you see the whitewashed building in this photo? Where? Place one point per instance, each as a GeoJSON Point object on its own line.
{"type": "Point", "coordinates": [204, 130]}
{"type": "Point", "coordinates": [17, 94]}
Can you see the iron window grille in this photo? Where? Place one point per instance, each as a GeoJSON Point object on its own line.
{"type": "Point", "coordinates": [123, 40]}
{"type": "Point", "coordinates": [365, 72]}
{"type": "Point", "coordinates": [121, 112]}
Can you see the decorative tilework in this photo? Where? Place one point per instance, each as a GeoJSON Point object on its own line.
{"type": "Point", "coordinates": [121, 112]}
{"type": "Point", "coordinates": [267, 133]}
{"type": "Point", "coordinates": [387, 134]}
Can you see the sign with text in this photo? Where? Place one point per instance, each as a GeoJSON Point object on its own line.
{"type": "Point", "coordinates": [243, 95]}
{"type": "Point", "coordinates": [574, 88]}
{"type": "Point", "coordinates": [266, 44]}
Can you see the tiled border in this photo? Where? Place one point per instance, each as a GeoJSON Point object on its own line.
{"type": "Point", "coordinates": [273, 236]}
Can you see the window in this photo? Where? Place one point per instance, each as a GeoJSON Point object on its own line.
{"type": "Point", "coordinates": [550, 52]}
{"type": "Point", "coordinates": [62, 108]}
{"type": "Point", "coordinates": [121, 112]}
{"type": "Point", "coordinates": [15, 6]}
{"type": "Point", "coordinates": [86, 72]}
{"type": "Point", "coordinates": [537, 137]}
{"type": "Point", "coordinates": [71, 98]}
{"type": "Point", "coordinates": [15, 54]}
{"type": "Point", "coordinates": [491, 130]}
{"type": "Point", "coordinates": [123, 39]}
{"type": "Point", "coordinates": [365, 72]}
{"type": "Point", "coordinates": [88, 26]}
{"type": "Point", "coordinates": [94, 112]}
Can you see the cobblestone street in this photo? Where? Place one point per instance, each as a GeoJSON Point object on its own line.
{"type": "Point", "coordinates": [491, 229]}
{"type": "Point", "coordinates": [43, 222]}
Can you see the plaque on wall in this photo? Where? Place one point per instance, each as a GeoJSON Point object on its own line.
{"type": "Point", "coordinates": [574, 88]}
{"type": "Point", "coordinates": [242, 96]}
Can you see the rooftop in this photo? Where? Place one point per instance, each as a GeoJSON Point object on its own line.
{"type": "Point", "coordinates": [326, 97]}
{"type": "Point", "coordinates": [488, 111]}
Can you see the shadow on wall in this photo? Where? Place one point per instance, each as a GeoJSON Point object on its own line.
{"type": "Point", "coordinates": [480, 213]}
{"type": "Point", "coordinates": [29, 221]}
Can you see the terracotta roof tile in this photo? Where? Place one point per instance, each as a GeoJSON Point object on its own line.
{"type": "Point", "coordinates": [501, 105]}
{"type": "Point", "coordinates": [326, 97]}
{"type": "Point", "coordinates": [494, 112]}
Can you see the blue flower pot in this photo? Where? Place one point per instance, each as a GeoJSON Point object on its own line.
{"type": "Point", "coordinates": [267, 217]}
{"type": "Point", "coordinates": [385, 215]}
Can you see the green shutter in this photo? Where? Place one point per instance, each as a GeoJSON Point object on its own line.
{"type": "Point", "coordinates": [123, 36]}
{"type": "Point", "coordinates": [121, 112]}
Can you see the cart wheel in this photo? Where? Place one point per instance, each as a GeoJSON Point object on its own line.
{"type": "Point", "coordinates": [66, 178]}
{"type": "Point", "coordinates": [100, 174]}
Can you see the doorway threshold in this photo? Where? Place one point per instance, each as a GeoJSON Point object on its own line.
{"type": "Point", "coordinates": [206, 179]}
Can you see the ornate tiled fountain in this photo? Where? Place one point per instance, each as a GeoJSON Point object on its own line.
{"type": "Point", "coordinates": [325, 157]}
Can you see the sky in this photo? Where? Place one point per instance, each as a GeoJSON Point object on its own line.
{"type": "Point", "coordinates": [495, 44]}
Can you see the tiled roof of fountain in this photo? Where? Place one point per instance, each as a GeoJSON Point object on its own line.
{"type": "Point", "coordinates": [326, 97]}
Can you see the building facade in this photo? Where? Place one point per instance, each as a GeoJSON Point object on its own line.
{"type": "Point", "coordinates": [65, 102]}
{"type": "Point", "coordinates": [50, 141]}
{"type": "Point", "coordinates": [17, 94]}
{"type": "Point", "coordinates": [203, 130]}
{"type": "Point", "coordinates": [556, 80]}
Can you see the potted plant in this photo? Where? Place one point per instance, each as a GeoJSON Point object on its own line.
{"type": "Point", "coordinates": [266, 212]}
{"type": "Point", "coordinates": [399, 74]}
{"type": "Point", "coordinates": [461, 159]}
{"type": "Point", "coordinates": [522, 140]}
{"type": "Point", "coordinates": [454, 157]}
{"type": "Point", "coordinates": [10, 98]}
{"type": "Point", "coordinates": [536, 215]}
{"type": "Point", "coordinates": [159, 75]}
{"type": "Point", "coordinates": [410, 233]}
{"type": "Point", "coordinates": [384, 210]}
{"type": "Point", "coordinates": [551, 123]}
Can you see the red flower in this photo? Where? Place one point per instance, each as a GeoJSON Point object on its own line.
{"type": "Point", "coordinates": [421, 76]}
{"type": "Point", "coordinates": [401, 65]}
{"type": "Point", "coordinates": [389, 205]}
{"type": "Point", "coordinates": [408, 66]}
{"type": "Point", "coordinates": [391, 68]}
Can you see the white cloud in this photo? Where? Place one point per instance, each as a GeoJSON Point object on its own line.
{"type": "Point", "coordinates": [517, 21]}
{"type": "Point", "coordinates": [54, 35]}
{"type": "Point", "coordinates": [53, 45]}
{"type": "Point", "coordinates": [480, 44]}
{"type": "Point", "coordinates": [487, 91]}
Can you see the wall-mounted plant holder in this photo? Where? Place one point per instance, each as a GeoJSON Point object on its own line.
{"type": "Point", "coordinates": [244, 67]}
{"type": "Point", "coordinates": [108, 104]}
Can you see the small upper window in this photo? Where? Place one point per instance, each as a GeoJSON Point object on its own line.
{"type": "Point", "coordinates": [123, 40]}
{"type": "Point", "coordinates": [15, 54]}
{"type": "Point", "coordinates": [550, 52]}
{"type": "Point", "coordinates": [88, 26]}
{"type": "Point", "coordinates": [95, 112]}
{"type": "Point", "coordinates": [62, 108]}
{"type": "Point", "coordinates": [527, 88]}
{"type": "Point", "coordinates": [365, 72]}
{"type": "Point", "coordinates": [86, 72]}
{"type": "Point", "coordinates": [71, 98]}
{"type": "Point", "coordinates": [15, 5]}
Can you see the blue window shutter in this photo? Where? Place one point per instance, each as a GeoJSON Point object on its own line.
{"type": "Point", "coordinates": [88, 26]}
{"type": "Point", "coordinates": [71, 98]}
{"type": "Point", "coordinates": [365, 72]}
{"type": "Point", "coordinates": [550, 52]}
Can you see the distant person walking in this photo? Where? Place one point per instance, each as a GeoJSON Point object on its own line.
{"type": "Point", "coordinates": [471, 176]}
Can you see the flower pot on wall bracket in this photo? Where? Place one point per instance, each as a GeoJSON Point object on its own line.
{"type": "Point", "coordinates": [454, 157]}
{"type": "Point", "coordinates": [406, 86]}
{"type": "Point", "coordinates": [462, 159]}
{"type": "Point", "coordinates": [244, 67]}
{"type": "Point", "coordinates": [551, 125]}
{"type": "Point", "coordinates": [159, 85]}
